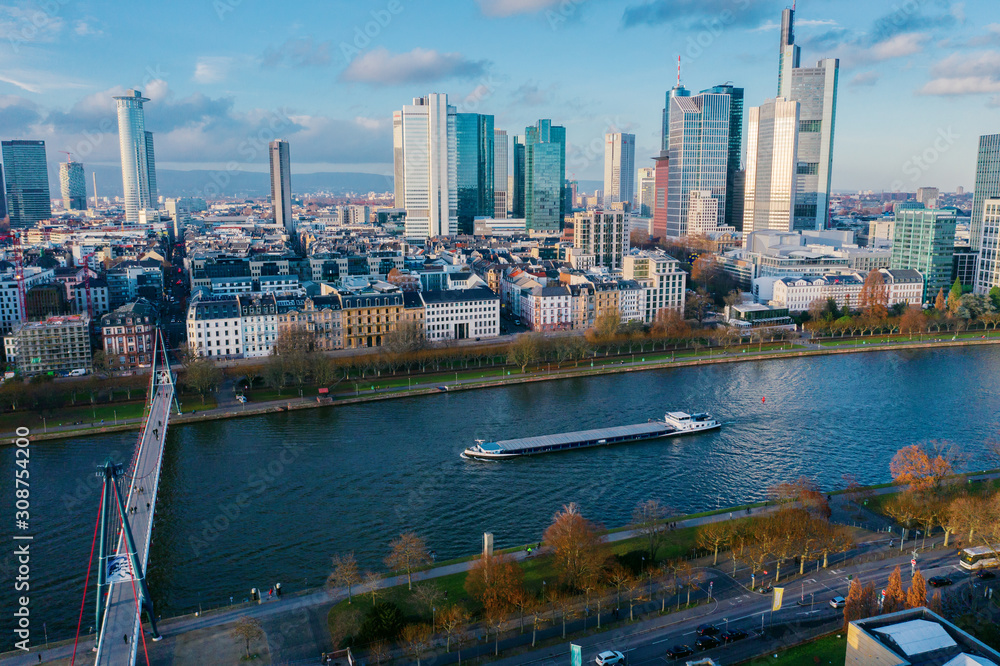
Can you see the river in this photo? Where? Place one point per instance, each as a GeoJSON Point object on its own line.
{"type": "Point", "coordinates": [253, 501]}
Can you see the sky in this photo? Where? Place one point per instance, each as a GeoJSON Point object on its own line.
{"type": "Point", "coordinates": [919, 79]}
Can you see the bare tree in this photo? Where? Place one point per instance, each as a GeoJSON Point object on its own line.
{"type": "Point", "coordinates": [345, 573]}
{"type": "Point", "coordinates": [407, 553]}
{"type": "Point", "coordinates": [247, 630]}
{"type": "Point", "coordinates": [649, 522]}
{"type": "Point", "coordinates": [416, 638]}
{"type": "Point", "coordinates": [429, 596]}
{"type": "Point", "coordinates": [523, 351]}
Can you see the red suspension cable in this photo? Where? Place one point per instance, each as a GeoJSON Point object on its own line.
{"type": "Point", "coordinates": [86, 582]}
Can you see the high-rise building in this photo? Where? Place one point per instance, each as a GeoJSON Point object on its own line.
{"type": "Point", "coordinates": [987, 272]}
{"type": "Point", "coordinates": [517, 180]}
{"type": "Point", "coordinates": [646, 191]}
{"type": "Point", "coordinates": [3, 196]}
{"type": "Point", "coordinates": [677, 91]}
{"type": "Point", "coordinates": [924, 240]}
{"type": "Point", "coordinates": [501, 155]}
{"type": "Point", "coordinates": [815, 89]}
{"type": "Point", "coordinates": [661, 182]}
{"type": "Point", "coordinates": [135, 154]}
{"type": "Point", "coordinates": [928, 196]}
{"type": "Point", "coordinates": [474, 168]}
{"type": "Point", "coordinates": [544, 176]}
{"type": "Point", "coordinates": [73, 186]}
{"type": "Point", "coordinates": [729, 213]}
{"type": "Point", "coordinates": [604, 234]}
{"type": "Point", "coordinates": [281, 186]}
{"type": "Point", "coordinates": [987, 184]}
{"type": "Point", "coordinates": [699, 153]}
{"type": "Point", "coordinates": [154, 197]}
{"type": "Point", "coordinates": [27, 184]}
{"type": "Point", "coordinates": [426, 146]}
{"type": "Point", "coordinates": [769, 182]}
{"type": "Point", "coordinates": [619, 168]}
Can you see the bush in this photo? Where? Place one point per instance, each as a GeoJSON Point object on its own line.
{"type": "Point", "coordinates": [383, 621]}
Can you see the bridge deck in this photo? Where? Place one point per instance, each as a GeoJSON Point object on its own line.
{"type": "Point", "coordinates": [121, 618]}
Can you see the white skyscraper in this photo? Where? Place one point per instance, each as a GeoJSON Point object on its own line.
{"type": "Point", "coordinates": [645, 192]}
{"type": "Point", "coordinates": [425, 154]}
{"type": "Point", "coordinates": [136, 153]}
{"type": "Point", "coordinates": [772, 145]}
{"type": "Point", "coordinates": [619, 168]}
{"type": "Point", "coordinates": [500, 157]}
{"type": "Point", "coordinates": [281, 186]}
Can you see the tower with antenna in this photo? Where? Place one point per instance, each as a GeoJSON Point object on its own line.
{"type": "Point", "coordinates": [677, 91]}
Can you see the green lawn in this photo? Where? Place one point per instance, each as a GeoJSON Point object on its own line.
{"type": "Point", "coordinates": [39, 420]}
{"type": "Point", "coordinates": [830, 649]}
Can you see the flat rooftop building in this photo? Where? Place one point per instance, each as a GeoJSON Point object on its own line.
{"type": "Point", "coordinates": [914, 637]}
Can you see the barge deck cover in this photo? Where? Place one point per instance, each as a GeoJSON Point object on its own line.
{"type": "Point", "coordinates": [651, 429]}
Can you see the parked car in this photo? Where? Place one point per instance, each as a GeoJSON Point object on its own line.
{"type": "Point", "coordinates": [732, 635]}
{"type": "Point", "coordinates": [838, 602]}
{"type": "Point", "coordinates": [679, 651]}
{"type": "Point", "coordinates": [708, 630]}
{"type": "Point", "coordinates": [706, 643]}
{"type": "Point", "coordinates": [985, 574]}
{"type": "Point", "coordinates": [939, 581]}
{"type": "Point", "coordinates": [610, 658]}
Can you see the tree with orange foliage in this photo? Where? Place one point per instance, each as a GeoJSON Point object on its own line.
{"type": "Point", "coordinates": [916, 596]}
{"type": "Point", "coordinates": [939, 303]}
{"type": "Point", "coordinates": [806, 493]}
{"type": "Point", "coordinates": [894, 599]}
{"type": "Point", "coordinates": [494, 581]}
{"type": "Point", "coordinates": [914, 466]}
{"type": "Point", "coordinates": [913, 321]}
{"type": "Point", "coordinates": [874, 297]}
{"type": "Point", "coordinates": [575, 543]}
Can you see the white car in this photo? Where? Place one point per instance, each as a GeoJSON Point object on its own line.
{"type": "Point", "coordinates": [610, 658]}
{"type": "Point", "coordinates": [838, 602]}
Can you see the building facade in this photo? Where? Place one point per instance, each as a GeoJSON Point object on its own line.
{"type": "Point", "coordinates": [134, 154]}
{"type": "Point", "coordinates": [603, 234]}
{"type": "Point", "coordinates": [128, 336]}
{"type": "Point", "coordinates": [27, 182]}
{"type": "Point", "coordinates": [544, 175]}
{"type": "Point", "coordinates": [258, 323]}
{"type": "Point", "coordinates": [988, 260]}
{"type": "Point", "coordinates": [72, 186]}
{"type": "Point", "coordinates": [281, 186]}
{"type": "Point", "coordinates": [367, 317]}
{"type": "Point", "coordinates": [987, 184]}
{"type": "Point", "coordinates": [731, 213]}
{"type": "Point", "coordinates": [461, 314]}
{"type": "Point", "coordinates": [425, 162]}
{"type": "Point", "coordinates": [547, 308]}
{"type": "Point", "coordinates": [501, 193]}
{"type": "Point", "coordinates": [645, 192]}
{"type": "Point", "coordinates": [662, 279]}
{"type": "Point", "coordinates": [53, 345]}
{"type": "Point", "coordinates": [924, 241]}
{"type": "Point", "coordinates": [474, 164]}
{"type": "Point", "coordinates": [772, 149]}
{"type": "Point", "coordinates": [619, 169]}
{"type": "Point", "coordinates": [214, 327]}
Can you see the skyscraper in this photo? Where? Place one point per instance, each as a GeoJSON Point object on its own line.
{"type": "Point", "coordinates": [3, 196]}
{"type": "Point", "coordinates": [699, 153]}
{"type": "Point", "coordinates": [815, 89]}
{"type": "Point", "coordinates": [924, 240]}
{"type": "Point", "coordinates": [154, 197]}
{"type": "Point", "coordinates": [677, 91]}
{"type": "Point", "coordinates": [517, 181]}
{"type": "Point", "coordinates": [281, 186]}
{"type": "Point", "coordinates": [661, 182]}
{"type": "Point", "coordinates": [987, 184]}
{"type": "Point", "coordinates": [604, 234]}
{"type": "Point", "coordinates": [769, 186]}
{"type": "Point", "coordinates": [426, 146]}
{"type": "Point", "coordinates": [501, 155]}
{"type": "Point", "coordinates": [474, 165]}
{"type": "Point", "coordinates": [728, 215]}
{"type": "Point", "coordinates": [646, 191]}
{"type": "Point", "coordinates": [135, 153]}
{"type": "Point", "coordinates": [544, 176]}
{"type": "Point", "coordinates": [27, 182]}
{"type": "Point", "coordinates": [73, 186]}
{"type": "Point", "coordinates": [619, 169]}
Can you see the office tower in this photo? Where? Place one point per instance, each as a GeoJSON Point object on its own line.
{"type": "Point", "coordinates": [154, 197]}
{"type": "Point", "coordinates": [73, 186]}
{"type": "Point", "coordinates": [703, 213]}
{"type": "Point", "coordinates": [3, 196]}
{"type": "Point", "coordinates": [544, 176]}
{"type": "Point", "coordinates": [517, 180]}
{"type": "Point", "coordinates": [661, 181]}
{"type": "Point", "coordinates": [399, 191]}
{"type": "Point", "coordinates": [647, 188]}
{"type": "Point", "coordinates": [987, 270]}
{"type": "Point", "coordinates": [677, 91]}
{"type": "Point", "coordinates": [572, 194]}
{"type": "Point", "coordinates": [426, 146]}
{"type": "Point", "coordinates": [924, 240]}
{"type": "Point", "coordinates": [604, 234]}
{"type": "Point", "coordinates": [619, 168]}
{"type": "Point", "coordinates": [281, 186]}
{"type": "Point", "coordinates": [769, 182]}
{"type": "Point", "coordinates": [815, 89]}
{"type": "Point", "coordinates": [729, 216]}
{"type": "Point", "coordinates": [699, 153]}
{"type": "Point", "coordinates": [928, 196]}
{"type": "Point", "coordinates": [987, 184]}
{"type": "Point", "coordinates": [500, 157]}
{"type": "Point", "coordinates": [27, 182]}
{"type": "Point", "coordinates": [132, 137]}
{"type": "Point", "coordinates": [739, 193]}
{"type": "Point", "coordinates": [474, 168]}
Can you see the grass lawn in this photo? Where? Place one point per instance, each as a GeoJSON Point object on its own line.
{"type": "Point", "coordinates": [826, 650]}
{"type": "Point", "coordinates": [65, 416]}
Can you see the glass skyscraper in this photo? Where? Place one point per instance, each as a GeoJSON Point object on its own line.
{"type": "Point", "coordinates": [281, 185]}
{"type": "Point", "coordinates": [545, 175]}
{"type": "Point", "coordinates": [924, 240]}
{"type": "Point", "coordinates": [501, 156]}
{"type": "Point", "coordinates": [3, 196]}
{"type": "Point", "coordinates": [676, 91]}
{"type": "Point", "coordinates": [27, 184]}
{"type": "Point", "coordinates": [72, 186]}
{"type": "Point", "coordinates": [474, 144]}
{"type": "Point", "coordinates": [517, 186]}
{"type": "Point", "coordinates": [984, 232]}
{"type": "Point", "coordinates": [735, 153]}
{"type": "Point", "coordinates": [699, 154]}
{"type": "Point", "coordinates": [136, 153]}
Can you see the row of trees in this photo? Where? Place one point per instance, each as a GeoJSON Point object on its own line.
{"type": "Point", "coordinates": [864, 601]}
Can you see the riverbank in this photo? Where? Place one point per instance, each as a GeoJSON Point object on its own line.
{"type": "Point", "coordinates": [655, 362]}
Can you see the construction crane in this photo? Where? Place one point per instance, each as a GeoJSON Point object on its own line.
{"type": "Point", "coordinates": [69, 155]}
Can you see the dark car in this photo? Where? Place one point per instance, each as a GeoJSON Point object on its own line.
{"type": "Point", "coordinates": [679, 651]}
{"type": "Point", "coordinates": [985, 574]}
{"type": "Point", "coordinates": [706, 643]}
{"type": "Point", "coordinates": [938, 581]}
{"type": "Point", "coordinates": [732, 635]}
{"type": "Point", "coordinates": [708, 630]}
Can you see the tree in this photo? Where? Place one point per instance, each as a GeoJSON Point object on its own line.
{"type": "Point", "coordinates": [914, 466]}
{"type": "Point", "coordinates": [379, 651]}
{"type": "Point", "coordinates": [994, 296]}
{"type": "Point", "coordinates": [405, 337]}
{"type": "Point", "coordinates": [416, 638]}
{"type": "Point", "coordinates": [734, 297]}
{"type": "Point", "coordinates": [494, 579]}
{"type": "Point", "coordinates": [806, 493]}
{"type": "Point", "coordinates": [913, 321]}
{"type": "Point", "coordinates": [203, 376]}
{"type": "Point", "coordinates": [607, 324]}
{"type": "Point", "coordinates": [429, 596]}
{"type": "Point", "coordinates": [274, 373]}
{"type": "Point", "coordinates": [954, 297]}
{"type": "Point", "coordinates": [407, 553]}
{"type": "Point", "coordinates": [373, 582]}
{"type": "Point", "coordinates": [860, 602]}
{"type": "Point", "coordinates": [247, 630]}
{"type": "Point", "coordinates": [916, 596]}
{"type": "Point", "coordinates": [670, 324]}
{"type": "Point", "coordinates": [648, 522]}
{"type": "Point", "coordinates": [874, 297]}
{"type": "Point", "coordinates": [939, 302]}
{"type": "Point", "coordinates": [101, 362]}
{"type": "Point", "coordinates": [452, 621]}
{"type": "Point", "coordinates": [894, 598]}
{"type": "Point", "coordinates": [714, 536]}
{"type": "Point", "coordinates": [575, 544]}
{"type": "Point", "coordinates": [697, 304]}
{"type": "Point", "coordinates": [523, 351]}
{"type": "Point", "coordinates": [345, 573]}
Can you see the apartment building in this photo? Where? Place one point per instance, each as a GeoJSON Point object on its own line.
{"type": "Point", "coordinates": [50, 346]}
{"type": "Point", "coordinates": [128, 335]}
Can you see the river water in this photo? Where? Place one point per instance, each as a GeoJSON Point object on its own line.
{"type": "Point", "coordinates": [250, 502]}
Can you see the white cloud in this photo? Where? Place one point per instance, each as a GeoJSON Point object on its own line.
{"type": "Point", "coordinates": [20, 25]}
{"type": "Point", "coordinates": [965, 74]}
{"type": "Point", "coordinates": [29, 87]}
{"type": "Point", "coordinates": [212, 69]}
{"type": "Point", "coordinates": [380, 67]}
{"type": "Point", "coordinates": [865, 79]}
{"type": "Point", "coordinates": [511, 7]}
{"type": "Point", "coordinates": [899, 46]}
{"type": "Point", "coordinates": [87, 29]}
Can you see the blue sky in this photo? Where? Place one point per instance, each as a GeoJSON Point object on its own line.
{"type": "Point", "coordinates": [920, 79]}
